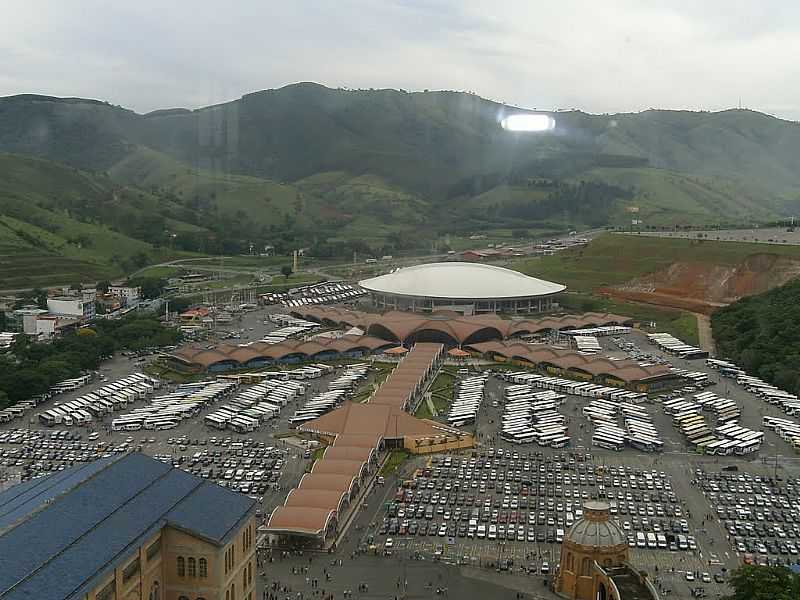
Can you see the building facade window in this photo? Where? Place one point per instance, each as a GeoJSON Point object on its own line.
{"type": "Point", "coordinates": [108, 592]}
{"type": "Point", "coordinates": [203, 567]}
{"type": "Point", "coordinates": [585, 567]}
{"type": "Point", "coordinates": [153, 550]}
{"type": "Point", "coordinates": [181, 567]}
{"type": "Point", "coordinates": [131, 570]}
{"type": "Point", "coordinates": [192, 564]}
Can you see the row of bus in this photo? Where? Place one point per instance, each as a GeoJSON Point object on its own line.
{"type": "Point", "coordinates": [672, 345]}
{"type": "Point", "coordinates": [788, 430]}
{"type": "Point", "coordinates": [167, 411]}
{"type": "Point", "coordinates": [337, 392]}
{"type": "Point", "coordinates": [251, 407]}
{"type": "Point", "coordinates": [16, 411]}
{"type": "Point", "coordinates": [599, 331]}
{"type": "Point", "coordinates": [724, 409]}
{"type": "Point", "coordinates": [467, 400]}
{"type": "Point", "coordinates": [788, 402]}
{"type": "Point", "coordinates": [533, 417]}
{"type": "Point", "coordinates": [637, 430]}
{"type": "Point", "coordinates": [70, 385]}
{"type": "Point", "coordinates": [19, 409]}
{"type": "Point", "coordinates": [575, 388]}
{"type": "Point", "coordinates": [586, 344]}
{"type": "Point", "coordinates": [728, 438]}
{"type": "Point", "coordinates": [106, 399]}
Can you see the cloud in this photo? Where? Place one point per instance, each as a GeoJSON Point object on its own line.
{"type": "Point", "coordinates": [599, 57]}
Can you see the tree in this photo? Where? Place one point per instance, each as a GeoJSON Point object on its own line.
{"type": "Point", "coordinates": [286, 270]}
{"type": "Point", "coordinates": [751, 582]}
{"type": "Point", "coordinates": [102, 286]}
{"type": "Point", "coordinates": [152, 287]}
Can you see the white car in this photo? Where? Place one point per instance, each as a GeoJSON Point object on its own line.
{"type": "Point", "coordinates": [689, 576]}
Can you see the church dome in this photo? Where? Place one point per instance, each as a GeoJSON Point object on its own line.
{"type": "Point", "coordinates": [595, 528]}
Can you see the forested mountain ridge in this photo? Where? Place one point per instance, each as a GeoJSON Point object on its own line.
{"type": "Point", "coordinates": [383, 170]}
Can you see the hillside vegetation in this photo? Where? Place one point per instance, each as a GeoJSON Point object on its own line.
{"type": "Point", "coordinates": [762, 335]}
{"type": "Point", "coordinates": [62, 225]}
{"type": "Point", "coordinates": [613, 259]}
{"type": "Point", "coordinates": [373, 172]}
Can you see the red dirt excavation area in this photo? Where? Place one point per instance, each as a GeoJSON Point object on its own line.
{"type": "Point", "coordinates": [703, 287]}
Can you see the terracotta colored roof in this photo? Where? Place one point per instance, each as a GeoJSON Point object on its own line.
{"type": "Point", "coordinates": [398, 325]}
{"type": "Point", "coordinates": [316, 499]}
{"type": "Point", "coordinates": [359, 430]}
{"type": "Point", "coordinates": [348, 452]}
{"type": "Point", "coordinates": [457, 352]}
{"type": "Point", "coordinates": [307, 349]}
{"type": "Point", "coordinates": [327, 481]}
{"type": "Point", "coordinates": [396, 350]}
{"type": "Point", "coordinates": [300, 519]}
{"type": "Point", "coordinates": [625, 370]}
{"type": "Point", "coordinates": [338, 466]}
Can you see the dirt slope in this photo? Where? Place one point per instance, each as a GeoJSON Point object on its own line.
{"type": "Point", "coordinates": [702, 287]}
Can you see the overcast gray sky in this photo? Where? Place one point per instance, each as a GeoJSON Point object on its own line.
{"type": "Point", "coordinates": [596, 56]}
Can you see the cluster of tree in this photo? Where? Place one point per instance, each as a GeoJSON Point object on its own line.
{"type": "Point", "coordinates": [152, 287]}
{"type": "Point", "coordinates": [587, 202]}
{"type": "Point", "coordinates": [751, 582]}
{"type": "Point", "coordinates": [35, 297]}
{"type": "Point", "coordinates": [762, 335]}
{"type": "Point", "coordinates": [31, 368]}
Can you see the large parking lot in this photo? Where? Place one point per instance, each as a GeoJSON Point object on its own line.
{"type": "Point", "coordinates": [501, 506]}
{"type": "Point", "coordinates": [761, 515]}
{"type": "Point", "coordinates": [508, 510]}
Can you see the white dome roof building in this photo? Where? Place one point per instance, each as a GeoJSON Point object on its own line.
{"type": "Point", "coordinates": [468, 288]}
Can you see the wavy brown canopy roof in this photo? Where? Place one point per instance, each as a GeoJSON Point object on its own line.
{"type": "Point", "coordinates": [624, 370]}
{"type": "Point", "coordinates": [401, 326]}
{"type": "Point", "coordinates": [300, 520]}
{"type": "Point", "coordinates": [242, 354]}
{"type": "Point", "coordinates": [330, 500]}
{"type": "Point", "coordinates": [359, 430]}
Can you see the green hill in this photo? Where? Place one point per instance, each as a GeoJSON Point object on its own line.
{"type": "Point", "coordinates": [375, 170]}
{"type": "Point", "coordinates": [611, 259]}
{"type": "Point", "coordinates": [61, 225]}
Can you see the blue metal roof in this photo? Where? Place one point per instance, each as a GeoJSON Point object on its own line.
{"type": "Point", "coordinates": [89, 520]}
{"type": "Point", "coordinates": [20, 500]}
{"type": "Point", "coordinates": [201, 512]}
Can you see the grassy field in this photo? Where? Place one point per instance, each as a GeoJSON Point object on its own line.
{"type": "Point", "coordinates": [262, 200]}
{"type": "Point", "coordinates": [396, 458]}
{"type": "Point", "coordinates": [160, 272]}
{"type": "Point", "coordinates": [30, 270]}
{"type": "Point", "coordinates": [612, 259]}
{"type": "Point", "coordinates": [244, 262]}
{"type": "Point", "coordinates": [71, 225]}
{"type": "Point", "coordinates": [441, 395]}
{"type": "Point", "coordinates": [667, 197]}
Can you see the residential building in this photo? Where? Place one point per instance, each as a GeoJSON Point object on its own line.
{"type": "Point", "coordinates": [128, 295]}
{"type": "Point", "coordinates": [71, 307]}
{"type": "Point", "coordinates": [126, 528]}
